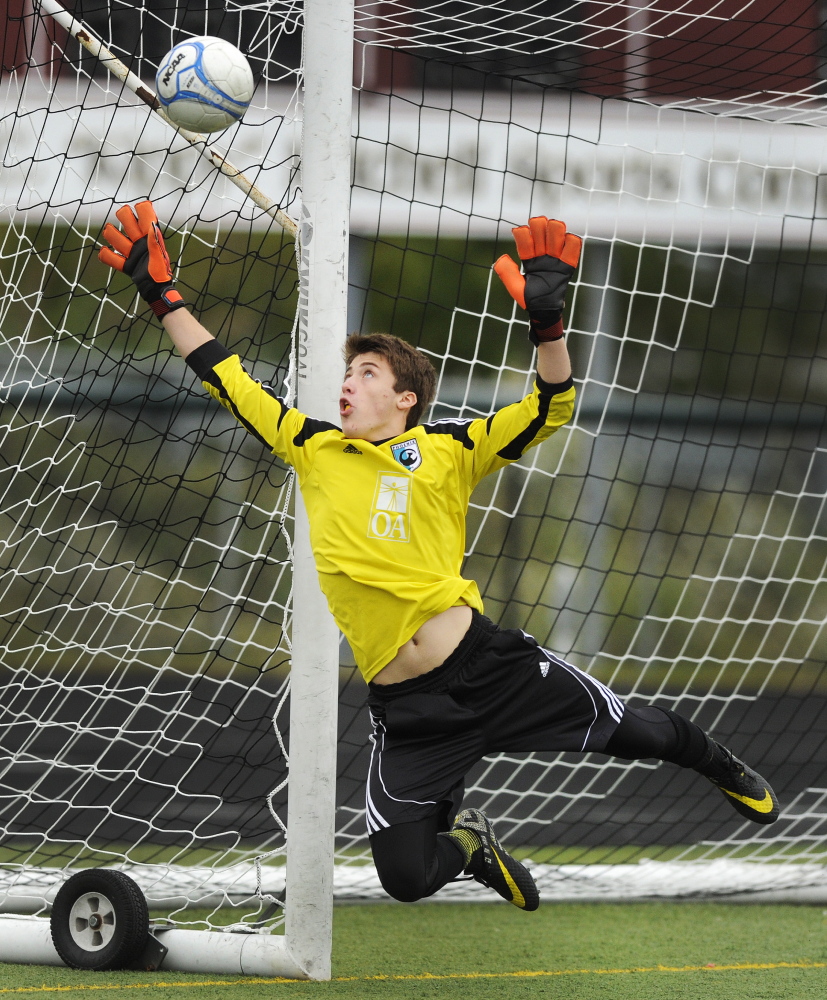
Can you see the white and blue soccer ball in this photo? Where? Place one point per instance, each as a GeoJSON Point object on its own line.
{"type": "Point", "coordinates": [204, 84]}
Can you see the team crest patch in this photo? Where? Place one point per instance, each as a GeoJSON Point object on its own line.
{"type": "Point", "coordinates": [407, 454]}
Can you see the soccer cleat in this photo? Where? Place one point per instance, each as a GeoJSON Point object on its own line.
{"type": "Point", "coordinates": [747, 792]}
{"type": "Point", "coordinates": [489, 864]}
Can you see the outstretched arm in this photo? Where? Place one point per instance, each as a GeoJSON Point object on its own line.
{"type": "Point", "coordinates": [139, 252]}
{"type": "Point", "coordinates": [550, 256]}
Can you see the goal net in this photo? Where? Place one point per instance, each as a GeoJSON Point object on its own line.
{"type": "Point", "coordinates": [146, 576]}
{"type": "Point", "coordinates": [671, 540]}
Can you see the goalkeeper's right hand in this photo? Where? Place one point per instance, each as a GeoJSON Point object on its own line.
{"type": "Point", "coordinates": [139, 251]}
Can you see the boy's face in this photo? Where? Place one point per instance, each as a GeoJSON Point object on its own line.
{"type": "Point", "coordinates": [369, 407]}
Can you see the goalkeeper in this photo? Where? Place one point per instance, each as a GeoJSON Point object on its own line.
{"type": "Point", "coordinates": [386, 497]}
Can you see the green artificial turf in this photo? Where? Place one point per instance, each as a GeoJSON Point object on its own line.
{"type": "Point", "coordinates": [495, 951]}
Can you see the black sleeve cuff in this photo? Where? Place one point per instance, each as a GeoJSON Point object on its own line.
{"type": "Point", "coordinates": [204, 358]}
{"type": "Point", "coordinates": [553, 388]}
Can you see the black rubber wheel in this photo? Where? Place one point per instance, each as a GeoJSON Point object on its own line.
{"type": "Point", "coordinates": [100, 920]}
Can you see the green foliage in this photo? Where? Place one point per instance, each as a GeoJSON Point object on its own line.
{"type": "Point", "coordinates": [414, 286]}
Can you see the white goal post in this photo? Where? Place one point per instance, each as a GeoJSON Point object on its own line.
{"type": "Point", "coordinates": [324, 234]}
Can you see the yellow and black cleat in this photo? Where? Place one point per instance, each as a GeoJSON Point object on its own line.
{"type": "Point", "coordinates": [490, 864]}
{"type": "Point", "coordinates": [746, 791]}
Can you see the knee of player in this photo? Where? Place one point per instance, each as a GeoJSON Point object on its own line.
{"type": "Point", "coordinates": [404, 887]}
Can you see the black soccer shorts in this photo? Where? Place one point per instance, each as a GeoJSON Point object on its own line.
{"type": "Point", "coordinates": [499, 691]}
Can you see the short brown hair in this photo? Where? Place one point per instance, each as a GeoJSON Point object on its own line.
{"type": "Point", "coordinates": [411, 369]}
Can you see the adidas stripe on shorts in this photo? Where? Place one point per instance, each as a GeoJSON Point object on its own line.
{"type": "Point", "coordinates": [499, 691]}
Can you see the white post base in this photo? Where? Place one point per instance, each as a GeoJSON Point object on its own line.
{"type": "Point", "coordinates": [235, 954]}
{"type": "Point", "coordinates": [28, 941]}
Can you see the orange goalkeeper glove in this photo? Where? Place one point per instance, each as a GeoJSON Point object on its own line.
{"type": "Point", "coordinates": [550, 256]}
{"type": "Point", "coordinates": [139, 251]}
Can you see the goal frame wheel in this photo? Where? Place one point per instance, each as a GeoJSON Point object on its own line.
{"type": "Point", "coordinates": [100, 920]}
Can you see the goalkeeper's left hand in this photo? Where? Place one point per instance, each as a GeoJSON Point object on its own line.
{"type": "Point", "coordinates": [139, 251]}
{"type": "Point", "coordinates": [550, 256]}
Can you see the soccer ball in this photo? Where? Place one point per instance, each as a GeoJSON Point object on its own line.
{"type": "Point", "coordinates": [204, 84]}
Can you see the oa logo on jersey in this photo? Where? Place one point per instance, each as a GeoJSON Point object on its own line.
{"type": "Point", "coordinates": [407, 454]}
{"type": "Point", "coordinates": [391, 511]}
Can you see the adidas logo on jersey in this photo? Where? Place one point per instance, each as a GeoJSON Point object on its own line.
{"type": "Point", "coordinates": [351, 450]}
{"type": "Point", "coordinates": [544, 668]}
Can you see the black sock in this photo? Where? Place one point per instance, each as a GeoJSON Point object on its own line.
{"type": "Point", "coordinates": [692, 746]}
{"type": "Point", "coordinates": [659, 733]}
{"type": "Point", "coordinates": [716, 762]}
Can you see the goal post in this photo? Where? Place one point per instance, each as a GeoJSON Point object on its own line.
{"type": "Point", "coordinates": [323, 295]}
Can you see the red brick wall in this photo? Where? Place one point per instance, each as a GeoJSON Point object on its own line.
{"type": "Point", "coordinates": [29, 38]}
{"type": "Point", "coordinates": [772, 46]}
{"type": "Point", "coordinates": [14, 48]}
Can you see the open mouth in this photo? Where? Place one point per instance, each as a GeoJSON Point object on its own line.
{"type": "Point", "coordinates": [344, 407]}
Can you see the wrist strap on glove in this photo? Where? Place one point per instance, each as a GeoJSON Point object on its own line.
{"type": "Point", "coordinates": [544, 327]}
{"type": "Point", "coordinates": [170, 299]}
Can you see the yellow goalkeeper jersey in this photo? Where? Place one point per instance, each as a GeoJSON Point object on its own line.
{"type": "Point", "coordinates": [387, 519]}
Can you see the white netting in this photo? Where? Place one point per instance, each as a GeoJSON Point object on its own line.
{"type": "Point", "coordinates": [147, 565]}
{"type": "Point", "coordinates": [671, 541]}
